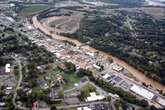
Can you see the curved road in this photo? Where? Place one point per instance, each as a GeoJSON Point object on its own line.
{"type": "Point", "coordinates": [136, 73]}
{"type": "Point", "coordinates": [18, 86]}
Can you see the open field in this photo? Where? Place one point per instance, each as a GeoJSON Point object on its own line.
{"type": "Point", "coordinates": [65, 24]}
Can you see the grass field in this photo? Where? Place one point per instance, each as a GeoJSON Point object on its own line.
{"type": "Point", "coordinates": [69, 78]}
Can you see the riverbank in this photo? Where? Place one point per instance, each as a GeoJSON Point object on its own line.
{"type": "Point", "coordinates": [136, 73]}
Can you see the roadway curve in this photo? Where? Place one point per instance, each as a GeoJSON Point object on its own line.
{"type": "Point", "coordinates": [136, 73]}
{"type": "Point", "coordinates": [18, 86]}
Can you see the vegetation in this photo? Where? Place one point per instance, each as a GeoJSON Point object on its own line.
{"type": "Point", "coordinates": [124, 95]}
{"type": "Point", "coordinates": [12, 42]}
{"type": "Point", "coordinates": [85, 91]}
{"type": "Point", "coordinates": [143, 48]}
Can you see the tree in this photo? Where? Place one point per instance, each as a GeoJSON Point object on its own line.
{"type": "Point", "coordinates": [81, 72]}
{"type": "Point", "coordinates": [61, 94]}
{"type": "Point", "coordinates": [70, 67]}
{"type": "Point", "coordinates": [143, 103]}
{"type": "Point", "coordinates": [53, 107]}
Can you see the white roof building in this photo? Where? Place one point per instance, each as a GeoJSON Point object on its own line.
{"type": "Point", "coordinates": [10, 19]}
{"type": "Point", "coordinates": [142, 92]}
{"type": "Point", "coordinates": [2, 104]}
{"type": "Point", "coordinates": [94, 97]}
{"type": "Point", "coordinates": [161, 101]}
{"type": "Point", "coordinates": [7, 68]}
{"type": "Point", "coordinates": [86, 108]}
{"type": "Point", "coordinates": [117, 67]}
{"type": "Point", "coordinates": [90, 54]}
{"type": "Point", "coordinates": [9, 88]}
{"type": "Point", "coordinates": [30, 27]}
{"type": "Point", "coordinates": [96, 66]}
{"type": "Point", "coordinates": [79, 108]}
{"type": "Point", "coordinates": [106, 76]}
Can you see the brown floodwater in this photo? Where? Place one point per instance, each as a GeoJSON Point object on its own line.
{"type": "Point", "coordinates": [136, 73]}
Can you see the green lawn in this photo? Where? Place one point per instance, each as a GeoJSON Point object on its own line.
{"type": "Point", "coordinates": [69, 78]}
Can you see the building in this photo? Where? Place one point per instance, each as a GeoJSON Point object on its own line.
{"type": "Point", "coordinates": [94, 97]}
{"type": "Point", "coordinates": [40, 105]}
{"type": "Point", "coordinates": [99, 106]}
{"type": "Point", "coordinates": [142, 92]}
{"type": "Point", "coordinates": [7, 68]}
{"type": "Point", "coordinates": [90, 54]}
{"type": "Point", "coordinates": [2, 104]}
{"type": "Point", "coordinates": [106, 76]}
{"type": "Point", "coordinates": [161, 101]}
{"type": "Point", "coordinates": [117, 67]}
{"type": "Point", "coordinates": [97, 67]}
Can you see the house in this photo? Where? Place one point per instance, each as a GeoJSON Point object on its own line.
{"type": "Point", "coordinates": [40, 105]}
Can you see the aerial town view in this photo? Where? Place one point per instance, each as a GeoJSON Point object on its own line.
{"type": "Point", "coordinates": [82, 54]}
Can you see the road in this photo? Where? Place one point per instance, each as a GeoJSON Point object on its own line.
{"type": "Point", "coordinates": [136, 73]}
{"type": "Point", "coordinates": [18, 85]}
{"type": "Point", "coordinates": [81, 105]}
{"type": "Point", "coordinates": [133, 33]}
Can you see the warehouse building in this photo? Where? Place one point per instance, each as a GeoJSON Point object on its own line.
{"type": "Point", "coordinates": [142, 92]}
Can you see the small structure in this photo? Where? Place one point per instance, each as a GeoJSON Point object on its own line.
{"type": "Point", "coordinates": [8, 90]}
{"type": "Point", "coordinates": [142, 92]}
{"type": "Point", "coordinates": [117, 67]}
{"type": "Point", "coordinates": [79, 108]}
{"type": "Point", "coordinates": [94, 97]}
{"type": "Point", "coordinates": [87, 108]}
{"type": "Point", "coordinates": [106, 76]}
{"type": "Point", "coordinates": [161, 101]}
{"type": "Point", "coordinates": [2, 104]}
{"type": "Point", "coordinates": [96, 66]}
{"type": "Point", "coordinates": [90, 54]}
{"type": "Point", "coordinates": [40, 105]}
{"type": "Point", "coordinates": [30, 27]}
{"type": "Point", "coordinates": [7, 68]}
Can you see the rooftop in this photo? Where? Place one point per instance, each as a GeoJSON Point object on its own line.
{"type": "Point", "coordinates": [94, 97]}
{"type": "Point", "coordinates": [142, 91]}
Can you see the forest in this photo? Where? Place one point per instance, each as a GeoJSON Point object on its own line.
{"type": "Point", "coordinates": [134, 37]}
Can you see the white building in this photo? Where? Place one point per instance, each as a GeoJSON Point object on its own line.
{"type": "Point", "coordinates": [79, 108]}
{"type": "Point", "coordinates": [142, 92]}
{"type": "Point", "coordinates": [7, 68]}
{"type": "Point", "coordinates": [2, 104]}
{"type": "Point", "coordinates": [161, 101]}
{"type": "Point", "coordinates": [117, 67]}
{"type": "Point", "coordinates": [96, 66]}
{"type": "Point", "coordinates": [90, 54]}
{"type": "Point", "coordinates": [86, 108]}
{"type": "Point", "coordinates": [106, 76]}
{"type": "Point", "coordinates": [94, 97]}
